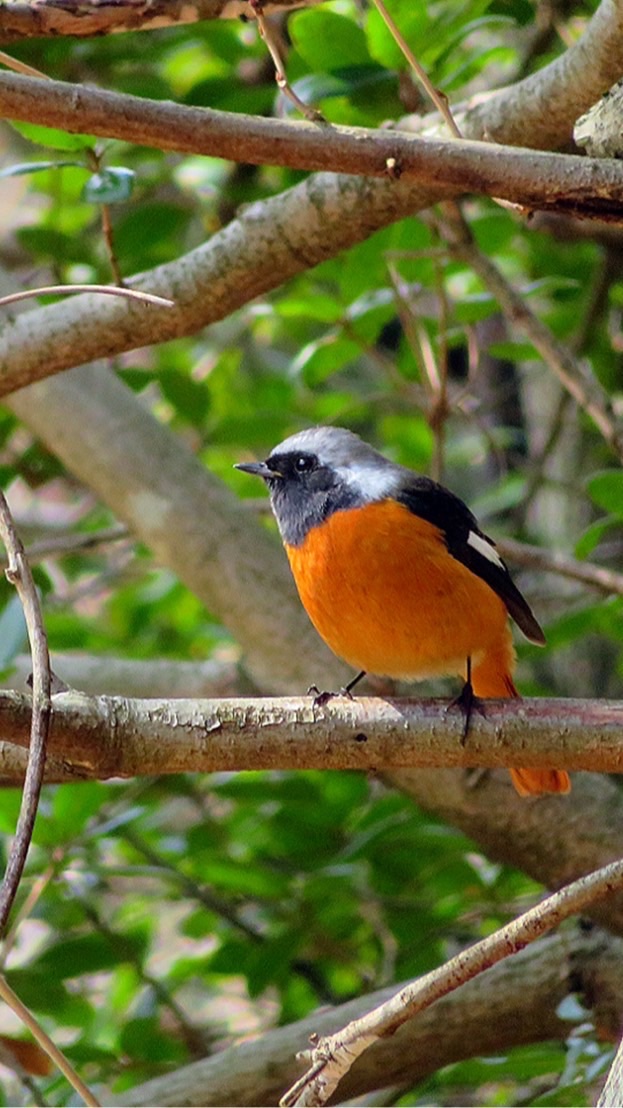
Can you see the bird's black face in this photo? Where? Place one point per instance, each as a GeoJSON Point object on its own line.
{"type": "Point", "coordinates": [303, 491]}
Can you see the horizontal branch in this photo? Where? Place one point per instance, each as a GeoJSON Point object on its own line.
{"type": "Point", "coordinates": [530, 178]}
{"type": "Point", "coordinates": [117, 737]}
{"type": "Point", "coordinates": [140, 677]}
{"type": "Point", "coordinates": [44, 18]}
{"type": "Point", "coordinates": [554, 561]}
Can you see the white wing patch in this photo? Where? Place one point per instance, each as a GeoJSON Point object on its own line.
{"type": "Point", "coordinates": [485, 548]}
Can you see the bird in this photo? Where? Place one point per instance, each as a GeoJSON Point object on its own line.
{"type": "Point", "coordinates": [395, 573]}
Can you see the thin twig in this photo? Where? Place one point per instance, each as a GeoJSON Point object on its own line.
{"type": "Point", "coordinates": [95, 164]}
{"type": "Point", "coordinates": [439, 99]}
{"type": "Point", "coordinates": [334, 1055]}
{"type": "Point", "coordinates": [266, 32]}
{"type": "Point", "coordinates": [607, 581]}
{"type": "Point", "coordinates": [107, 290]}
{"type": "Point", "coordinates": [20, 575]}
{"type": "Point", "coordinates": [56, 546]}
{"type": "Point", "coordinates": [11, 998]}
{"type": "Point", "coordinates": [571, 371]}
{"type": "Point", "coordinates": [21, 67]}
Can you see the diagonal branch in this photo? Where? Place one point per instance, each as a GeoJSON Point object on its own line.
{"type": "Point", "coordinates": [517, 1001]}
{"type": "Point", "coordinates": [334, 1055]}
{"type": "Point", "coordinates": [572, 372]}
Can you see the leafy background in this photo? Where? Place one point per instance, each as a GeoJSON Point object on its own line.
{"type": "Point", "coordinates": [170, 917]}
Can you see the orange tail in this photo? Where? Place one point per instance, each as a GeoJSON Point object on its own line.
{"type": "Point", "coordinates": [491, 678]}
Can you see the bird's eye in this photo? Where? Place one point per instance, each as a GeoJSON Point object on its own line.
{"type": "Point", "coordinates": [303, 463]}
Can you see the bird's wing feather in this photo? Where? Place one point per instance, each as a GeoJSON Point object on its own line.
{"type": "Point", "coordinates": [469, 545]}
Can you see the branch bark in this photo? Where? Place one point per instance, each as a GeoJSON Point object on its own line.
{"type": "Point", "coordinates": [272, 241]}
{"type": "Point", "coordinates": [117, 737]}
{"type": "Point", "coordinates": [526, 177]}
{"type": "Point", "coordinates": [512, 1003]}
{"type": "Point", "coordinates": [105, 673]}
{"type": "Point", "coordinates": [45, 18]}
{"type": "Point", "coordinates": [334, 1055]}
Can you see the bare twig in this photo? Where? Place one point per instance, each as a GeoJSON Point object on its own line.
{"type": "Point", "coordinates": [439, 99]}
{"type": "Point", "coordinates": [20, 575]}
{"type": "Point", "coordinates": [43, 1039]}
{"type": "Point", "coordinates": [21, 67]}
{"type": "Point", "coordinates": [607, 581]}
{"type": "Point", "coordinates": [270, 38]}
{"type": "Point", "coordinates": [573, 374]}
{"type": "Point", "coordinates": [334, 1055]}
{"type": "Point", "coordinates": [56, 546]}
{"type": "Point", "coordinates": [106, 290]}
{"type": "Point", "coordinates": [95, 164]}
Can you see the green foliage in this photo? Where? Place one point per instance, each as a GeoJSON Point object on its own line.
{"type": "Point", "coordinates": [181, 913]}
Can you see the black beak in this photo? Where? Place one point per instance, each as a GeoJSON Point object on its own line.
{"type": "Point", "coordinates": [258, 469]}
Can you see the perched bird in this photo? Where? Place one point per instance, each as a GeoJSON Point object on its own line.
{"type": "Point", "coordinates": [395, 573]}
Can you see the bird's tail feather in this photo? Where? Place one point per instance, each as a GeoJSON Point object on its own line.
{"type": "Point", "coordinates": [491, 678]}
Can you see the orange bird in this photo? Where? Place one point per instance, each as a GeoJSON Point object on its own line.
{"type": "Point", "coordinates": [395, 573]}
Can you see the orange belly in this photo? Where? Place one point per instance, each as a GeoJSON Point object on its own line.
{"type": "Point", "coordinates": [382, 590]}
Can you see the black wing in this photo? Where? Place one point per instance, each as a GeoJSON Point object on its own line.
{"type": "Point", "coordinates": [469, 545]}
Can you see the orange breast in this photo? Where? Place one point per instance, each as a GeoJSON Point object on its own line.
{"type": "Point", "coordinates": [382, 590]}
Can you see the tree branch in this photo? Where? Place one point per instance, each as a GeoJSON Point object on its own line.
{"type": "Point", "coordinates": [512, 1003]}
{"type": "Point", "coordinates": [116, 737]}
{"type": "Point", "coordinates": [529, 178]}
{"type": "Point", "coordinates": [20, 575]}
{"type": "Point", "coordinates": [272, 241]}
{"type": "Point", "coordinates": [607, 581]}
{"type": "Point", "coordinates": [334, 1055]}
{"type": "Point", "coordinates": [43, 18]}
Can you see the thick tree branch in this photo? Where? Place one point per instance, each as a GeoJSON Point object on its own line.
{"type": "Point", "coordinates": [83, 18]}
{"type": "Point", "coordinates": [279, 238]}
{"type": "Point", "coordinates": [189, 519]}
{"type": "Point", "coordinates": [116, 737]}
{"type": "Point", "coordinates": [555, 95]}
{"type": "Point", "coordinates": [529, 178]}
{"type": "Point", "coordinates": [105, 673]}
{"type": "Point", "coordinates": [512, 1003]}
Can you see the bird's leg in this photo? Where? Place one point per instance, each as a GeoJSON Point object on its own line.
{"type": "Point", "coordinates": [468, 702]}
{"type": "Point", "coordinates": [322, 698]}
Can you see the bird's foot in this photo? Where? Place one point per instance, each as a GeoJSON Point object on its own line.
{"type": "Point", "coordinates": [322, 698]}
{"type": "Point", "coordinates": [468, 703]}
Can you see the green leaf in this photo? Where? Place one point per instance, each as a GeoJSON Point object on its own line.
{"type": "Point", "coordinates": [52, 137]}
{"type": "Point", "coordinates": [319, 360]}
{"type": "Point", "coordinates": [110, 186]}
{"type": "Point", "coordinates": [90, 953]}
{"type": "Point", "coordinates": [191, 399]}
{"type": "Point", "coordinates": [592, 536]}
{"type": "Point", "coordinates": [328, 41]}
{"type": "Point", "coordinates": [606, 489]}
